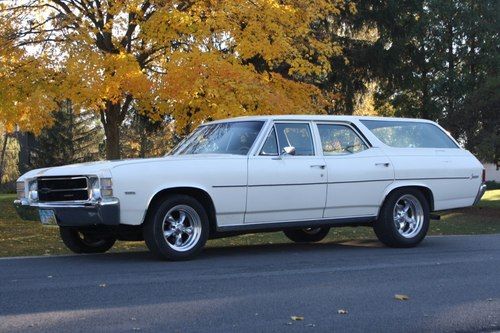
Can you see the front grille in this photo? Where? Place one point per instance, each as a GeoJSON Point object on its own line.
{"type": "Point", "coordinates": [63, 188]}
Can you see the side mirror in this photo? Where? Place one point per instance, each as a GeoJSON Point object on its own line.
{"type": "Point", "coordinates": [289, 150]}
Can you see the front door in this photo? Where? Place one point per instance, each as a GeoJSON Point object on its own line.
{"type": "Point", "coordinates": [286, 178]}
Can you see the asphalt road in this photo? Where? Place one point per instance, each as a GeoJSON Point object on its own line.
{"type": "Point", "coordinates": [453, 284]}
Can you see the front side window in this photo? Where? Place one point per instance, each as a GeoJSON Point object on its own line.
{"type": "Point", "coordinates": [297, 135]}
{"type": "Point", "coordinates": [409, 134]}
{"type": "Point", "coordinates": [339, 139]}
{"type": "Point", "coordinates": [222, 138]}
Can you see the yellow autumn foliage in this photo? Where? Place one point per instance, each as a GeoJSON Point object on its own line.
{"type": "Point", "coordinates": [103, 78]}
{"type": "Point", "coordinates": [26, 89]}
{"type": "Point", "coordinates": [202, 85]}
{"type": "Point", "coordinates": [190, 60]}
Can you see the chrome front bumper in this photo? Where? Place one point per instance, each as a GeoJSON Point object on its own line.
{"type": "Point", "coordinates": [480, 193]}
{"type": "Point", "coordinates": [73, 215]}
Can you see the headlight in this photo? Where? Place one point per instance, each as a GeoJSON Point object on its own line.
{"type": "Point", "coordinates": [101, 188]}
{"type": "Point", "coordinates": [33, 190]}
{"type": "Point", "coordinates": [106, 187]}
{"type": "Point", "coordinates": [20, 189]}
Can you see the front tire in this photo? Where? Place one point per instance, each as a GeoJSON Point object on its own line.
{"type": "Point", "coordinates": [306, 235]}
{"type": "Point", "coordinates": [80, 241]}
{"type": "Point", "coordinates": [404, 219]}
{"type": "Point", "coordinates": [177, 228]}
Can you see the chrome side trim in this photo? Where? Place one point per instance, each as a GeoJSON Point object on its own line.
{"type": "Point", "coordinates": [433, 178]}
{"type": "Point", "coordinates": [276, 226]}
{"type": "Point", "coordinates": [342, 182]}
{"type": "Point", "coordinates": [318, 183]}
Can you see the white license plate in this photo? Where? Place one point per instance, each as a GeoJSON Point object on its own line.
{"type": "Point", "coordinates": [47, 217]}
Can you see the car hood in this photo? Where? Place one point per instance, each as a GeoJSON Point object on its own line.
{"type": "Point", "coordinates": [104, 168]}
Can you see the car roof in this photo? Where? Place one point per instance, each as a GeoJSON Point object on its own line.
{"type": "Point", "coordinates": [315, 118]}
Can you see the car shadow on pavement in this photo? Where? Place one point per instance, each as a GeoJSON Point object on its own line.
{"type": "Point", "coordinates": [212, 252]}
{"type": "Point", "coordinates": [365, 246]}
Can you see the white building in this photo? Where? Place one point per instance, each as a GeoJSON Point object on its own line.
{"type": "Point", "coordinates": [492, 171]}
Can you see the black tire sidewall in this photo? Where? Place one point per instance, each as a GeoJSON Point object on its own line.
{"type": "Point", "coordinates": [300, 236]}
{"type": "Point", "coordinates": [385, 228]}
{"type": "Point", "coordinates": [71, 238]}
{"type": "Point", "coordinates": [153, 231]}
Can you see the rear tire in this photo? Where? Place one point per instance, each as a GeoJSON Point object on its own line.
{"type": "Point", "coordinates": [177, 228]}
{"type": "Point", "coordinates": [307, 235]}
{"type": "Point", "coordinates": [80, 241]}
{"type": "Point", "coordinates": [404, 218]}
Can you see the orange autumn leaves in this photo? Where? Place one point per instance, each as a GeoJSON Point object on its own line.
{"type": "Point", "coordinates": [211, 73]}
{"type": "Point", "coordinates": [199, 60]}
{"type": "Point", "coordinates": [202, 85]}
{"type": "Point", "coordinates": [100, 78]}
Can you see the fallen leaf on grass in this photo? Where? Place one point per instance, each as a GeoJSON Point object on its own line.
{"type": "Point", "coordinates": [297, 318]}
{"type": "Point", "coordinates": [401, 297]}
{"type": "Point", "coordinates": [342, 311]}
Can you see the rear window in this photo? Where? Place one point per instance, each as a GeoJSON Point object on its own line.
{"type": "Point", "coordinates": [409, 134]}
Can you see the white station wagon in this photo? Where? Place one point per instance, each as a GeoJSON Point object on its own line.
{"type": "Point", "coordinates": [299, 174]}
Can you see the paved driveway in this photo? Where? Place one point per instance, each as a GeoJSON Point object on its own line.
{"type": "Point", "coordinates": [453, 284]}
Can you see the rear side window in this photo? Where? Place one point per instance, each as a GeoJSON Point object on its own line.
{"type": "Point", "coordinates": [409, 134]}
{"type": "Point", "coordinates": [339, 139]}
{"type": "Point", "coordinates": [296, 135]}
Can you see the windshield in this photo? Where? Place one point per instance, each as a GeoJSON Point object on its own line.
{"type": "Point", "coordinates": [223, 138]}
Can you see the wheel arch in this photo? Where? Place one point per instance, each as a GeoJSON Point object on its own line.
{"type": "Point", "coordinates": [426, 191]}
{"type": "Point", "coordinates": [199, 194]}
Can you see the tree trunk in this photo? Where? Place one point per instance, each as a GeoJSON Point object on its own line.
{"type": "Point", "coordinates": [112, 119]}
{"type": "Point", "coordinates": [144, 143]}
{"type": "Point", "coordinates": [453, 122]}
{"type": "Point", "coordinates": [426, 105]}
{"type": "Point", "coordinates": [2, 156]}
{"type": "Point", "coordinates": [26, 145]}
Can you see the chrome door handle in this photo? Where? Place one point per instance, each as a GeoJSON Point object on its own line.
{"type": "Point", "coordinates": [386, 164]}
{"type": "Point", "coordinates": [321, 166]}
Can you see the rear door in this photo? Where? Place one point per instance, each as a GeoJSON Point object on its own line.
{"type": "Point", "coordinates": [357, 173]}
{"type": "Point", "coordinates": [286, 187]}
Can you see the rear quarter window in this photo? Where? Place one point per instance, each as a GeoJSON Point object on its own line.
{"type": "Point", "coordinates": [409, 134]}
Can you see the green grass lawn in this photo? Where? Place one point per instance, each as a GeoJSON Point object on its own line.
{"type": "Point", "coordinates": [20, 238]}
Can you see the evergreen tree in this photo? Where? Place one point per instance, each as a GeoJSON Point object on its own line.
{"type": "Point", "coordinates": [435, 59]}
{"type": "Point", "coordinates": [143, 137]}
{"type": "Point", "coordinates": [73, 138]}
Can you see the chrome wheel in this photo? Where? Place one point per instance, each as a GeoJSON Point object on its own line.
{"type": "Point", "coordinates": [182, 228]}
{"type": "Point", "coordinates": [408, 216]}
